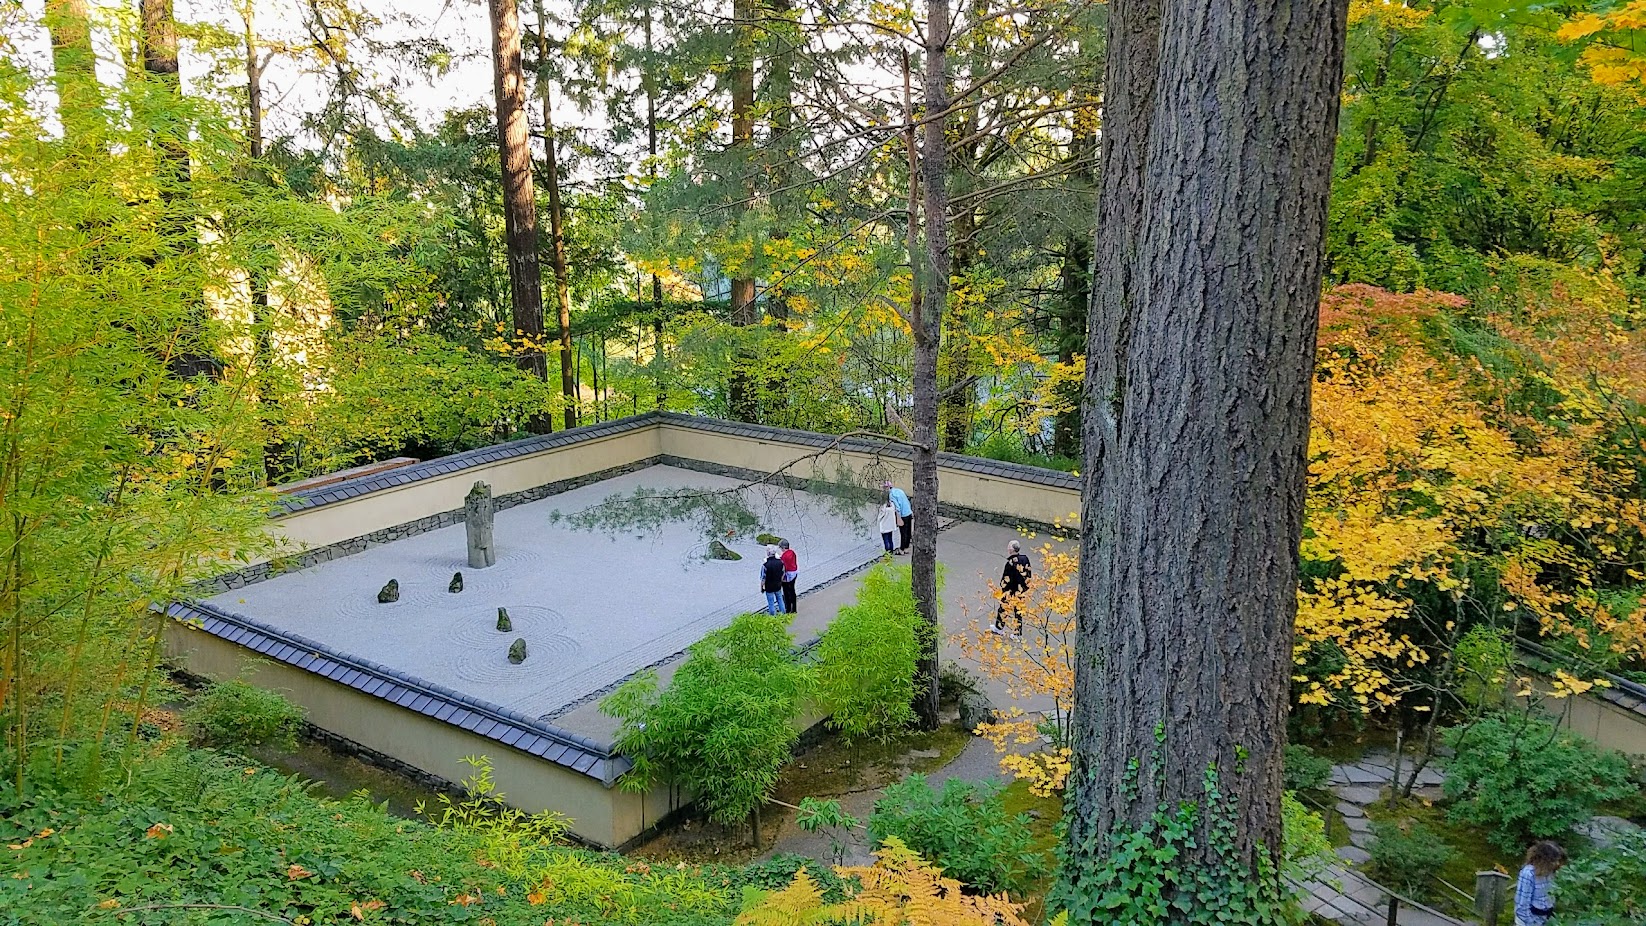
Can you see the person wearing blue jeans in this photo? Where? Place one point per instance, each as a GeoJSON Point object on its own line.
{"type": "Point", "coordinates": [771, 580]}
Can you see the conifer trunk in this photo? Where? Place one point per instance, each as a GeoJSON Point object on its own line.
{"type": "Point", "coordinates": [649, 80]}
{"type": "Point", "coordinates": [551, 168]}
{"type": "Point", "coordinates": [1217, 152]}
{"type": "Point", "coordinates": [74, 66]}
{"type": "Point", "coordinates": [179, 236]}
{"type": "Point", "coordinates": [928, 337]}
{"type": "Point", "coordinates": [741, 396]}
{"type": "Point", "coordinates": [519, 198]}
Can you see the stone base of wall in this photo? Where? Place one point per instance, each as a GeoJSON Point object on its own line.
{"type": "Point", "coordinates": [250, 575]}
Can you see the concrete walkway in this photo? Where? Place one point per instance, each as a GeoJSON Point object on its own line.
{"type": "Point", "coordinates": [972, 556]}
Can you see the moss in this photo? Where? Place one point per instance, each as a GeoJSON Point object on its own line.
{"type": "Point", "coordinates": [768, 539]}
{"type": "Point", "coordinates": [1474, 852]}
{"type": "Point", "coordinates": [1045, 813]}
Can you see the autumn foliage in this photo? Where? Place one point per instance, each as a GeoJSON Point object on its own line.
{"type": "Point", "coordinates": [1472, 466]}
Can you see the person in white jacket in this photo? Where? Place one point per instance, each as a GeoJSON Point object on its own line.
{"type": "Point", "coordinates": [887, 522]}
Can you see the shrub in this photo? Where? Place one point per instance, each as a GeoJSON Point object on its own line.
{"type": "Point", "coordinates": [866, 658]}
{"type": "Point", "coordinates": [191, 826]}
{"type": "Point", "coordinates": [1304, 770]}
{"type": "Point", "coordinates": [1606, 886]}
{"type": "Point", "coordinates": [1524, 779]}
{"type": "Point", "coordinates": [236, 715]}
{"type": "Point", "coordinates": [1307, 851]}
{"type": "Point", "coordinates": [899, 888]}
{"type": "Point", "coordinates": [964, 830]}
{"type": "Point", "coordinates": [1406, 856]}
{"type": "Point", "coordinates": [725, 726]}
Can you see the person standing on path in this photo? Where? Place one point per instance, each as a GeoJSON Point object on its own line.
{"type": "Point", "coordinates": [771, 581]}
{"type": "Point", "coordinates": [1014, 584]}
{"type": "Point", "coordinates": [791, 571]}
{"type": "Point", "coordinates": [905, 514]}
{"type": "Point", "coordinates": [886, 520]}
{"type": "Point", "coordinates": [1534, 900]}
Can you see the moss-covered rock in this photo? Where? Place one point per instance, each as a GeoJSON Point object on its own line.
{"type": "Point", "coordinates": [517, 651]}
{"type": "Point", "coordinates": [390, 593]}
{"type": "Point", "coordinates": [504, 625]}
{"type": "Point", "coordinates": [718, 550]}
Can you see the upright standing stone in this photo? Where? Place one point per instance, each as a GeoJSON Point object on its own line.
{"type": "Point", "coordinates": [390, 593]}
{"type": "Point", "coordinates": [517, 651]}
{"type": "Point", "coordinates": [504, 625]}
{"type": "Point", "coordinates": [478, 512]}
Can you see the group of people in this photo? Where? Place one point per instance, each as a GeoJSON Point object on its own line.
{"type": "Point", "coordinates": [896, 523]}
{"type": "Point", "coordinates": [777, 575]}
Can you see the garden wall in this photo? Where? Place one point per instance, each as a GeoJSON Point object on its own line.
{"type": "Point", "coordinates": [537, 765]}
{"type": "Point", "coordinates": [602, 815]}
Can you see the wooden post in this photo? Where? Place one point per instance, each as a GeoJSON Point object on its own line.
{"type": "Point", "coordinates": [1394, 911]}
{"type": "Point", "coordinates": [1491, 895]}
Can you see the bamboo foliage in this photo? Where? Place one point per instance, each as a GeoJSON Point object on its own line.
{"type": "Point", "coordinates": [121, 483]}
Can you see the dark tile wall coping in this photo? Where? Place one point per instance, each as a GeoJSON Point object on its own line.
{"type": "Point", "coordinates": [511, 728]}
{"type": "Point", "coordinates": [457, 462]}
{"type": "Point", "coordinates": [1630, 696]}
{"type": "Point", "coordinates": [884, 447]}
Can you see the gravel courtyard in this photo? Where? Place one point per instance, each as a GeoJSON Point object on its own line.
{"type": "Point", "coordinates": [593, 607]}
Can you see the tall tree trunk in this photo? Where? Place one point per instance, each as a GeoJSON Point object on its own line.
{"type": "Point", "coordinates": [551, 168]}
{"type": "Point", "coordinates": [781, 161]}
{"type": "Point", "coordinates": [958, 402]}
{"type": "Point", "coordinates": [178, 229]}
{"type": "Point", "coordinates": [1076, 282]}
{"type": "Point", "coordinates": [519, 199]}
{"type": "Point", "coordinates": [263, 346]}
{"type": "Point", "coordinates": [927, 324]}
{"type": "Point", "coordinates": [649, 81]}
{"type": "Point", "coordinates": [74, 67]}
{"type": "Point", "coordinates": [741, 395]}
{"type": "Point", "coordinates": [1217, 152]}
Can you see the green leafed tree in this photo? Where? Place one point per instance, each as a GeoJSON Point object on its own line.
{"type": "Point", "coordinates": [725, 724]}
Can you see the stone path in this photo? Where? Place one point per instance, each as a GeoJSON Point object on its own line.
{"type": "Point", "coordinates": [1361, 783]}
{"type": "Point", "coordinates": [1342, 894]}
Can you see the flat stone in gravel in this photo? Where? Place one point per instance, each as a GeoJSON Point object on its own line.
{"type": "Point", "coordinates": [1358, 824]}
{"type": "Point", "coordinates": [1358, 794]}
{"type": "Point", "coordinates": [1378, 758]}
{"type": "Point", "coordinates": [1431, 776]}
{"type": "Point", "coordinates": [1354, 855]}
{"type": "Point", "coordinates": [1361, 840]}
{"type": "Point", "coordinates": [1365, 776]}
{"type": "Point", "coordinates": [1349, 810]}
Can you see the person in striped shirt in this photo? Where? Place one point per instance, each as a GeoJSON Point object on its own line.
{"type": "Point", "coordinates": [1534, 901]}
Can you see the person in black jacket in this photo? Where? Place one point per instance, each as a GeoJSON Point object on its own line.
{"type": "Point", "coordinates": [771, 580]}
{"type": "Point", "coordinates": [1014, 584]}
